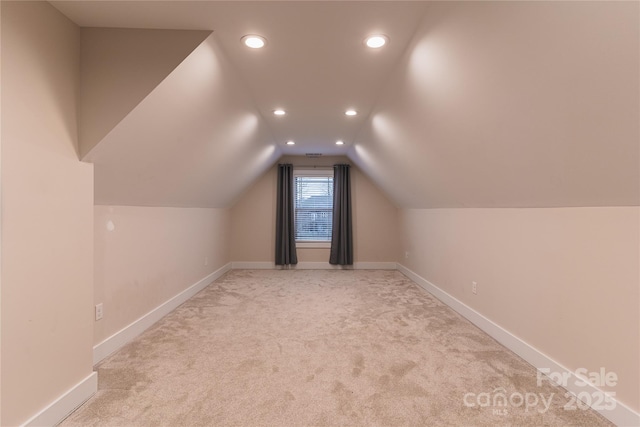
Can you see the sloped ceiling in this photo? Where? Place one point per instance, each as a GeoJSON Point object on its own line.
{"type": "Point", "coordinates": [472, 104]}
{"type": "Point", "coordinates": [511, 104]}
{"type": "Point", "coordinates": [119, 68]}
{"type": "Point", "coordinates": [195, 140]}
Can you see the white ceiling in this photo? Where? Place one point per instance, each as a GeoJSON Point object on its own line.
{"type": "Point", "coordinates": [314, 65]}
{"type": "Point", "coordinates": [472, 104]}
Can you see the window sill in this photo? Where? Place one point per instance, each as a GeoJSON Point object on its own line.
{"type": "Point", "coordinates": [313, 245]}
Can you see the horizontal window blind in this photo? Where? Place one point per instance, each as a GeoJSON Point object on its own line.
{"type": "Point", "coordinates": [313, 205]}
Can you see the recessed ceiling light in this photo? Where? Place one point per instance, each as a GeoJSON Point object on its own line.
{"type": "Point", "coordinates": [376, 41]}
{"type": "Point", "coordinates": [279, 112]}
{"type": "Point", "coordinates": [291, 143]}
{"type": "Point", "coordinates": [339, 142]}
{"type": "Point", "coordinates": [254, 41]}
{"type": "Point", "coordinates": [351, 112]}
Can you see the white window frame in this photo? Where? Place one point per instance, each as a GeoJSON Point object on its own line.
{"type": "Point", "coordinates": [325, 172]}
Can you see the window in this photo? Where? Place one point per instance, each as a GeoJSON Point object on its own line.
{"type": "Point", "coordinates": [313, 205]}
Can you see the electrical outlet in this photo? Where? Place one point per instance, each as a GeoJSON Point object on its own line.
{"type": "Point", "coordinates": [474, 287]}
{"type": "Point", "coordinates": [406, 255]}
{"type": "Point", "coordinates": [99, 311]}
{"type": "Point", "coordinates": [206, 260]}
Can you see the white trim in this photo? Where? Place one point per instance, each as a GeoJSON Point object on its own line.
{"type": "Point", "coordinates": [60, 408]}
{"type": "Point", "coordinates": [621, 415]}
{"type": "Point", "coordinates": [366, 265]}
{"type": "Point", "coordinates": [126, 334]}
{"type": "Point", "coordinates": [302, 173]}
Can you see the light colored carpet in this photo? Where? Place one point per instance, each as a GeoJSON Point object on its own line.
{"type": "Point", "coordinates": [317, 348]}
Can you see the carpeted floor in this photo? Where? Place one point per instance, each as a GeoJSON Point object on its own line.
{"type": "Point", "coordinates": [319, 348]}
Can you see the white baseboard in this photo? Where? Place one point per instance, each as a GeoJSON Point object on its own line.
{"type": "Point", "coordinates": [120, 338]}
{"type": "Point", "coordinates": [621, 415]}
{"type": "Point", "coordinates": [259, 265]}
{"type": "Point", "coordinates": [59, 409]}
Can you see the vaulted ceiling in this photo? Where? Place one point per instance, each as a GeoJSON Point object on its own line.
{"type": "Point", "coordinates": [470, 104]}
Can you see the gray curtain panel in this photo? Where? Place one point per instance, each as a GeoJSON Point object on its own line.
{"type": "Point", "coordinates": [342, 234]}
{"type": "Point", "coordinates": [285, 228]}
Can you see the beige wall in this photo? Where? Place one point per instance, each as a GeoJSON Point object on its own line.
{"type": "Point", "coordinates": [150, 255]}
{"type": "Point", "coordinates": [564, 280]}
{"type": "Point", "coordinates": [47, 213]}
{"type": "Point", "coordinates": [470, 119]}
{"type": "Point", "coordinates": [253, 219]}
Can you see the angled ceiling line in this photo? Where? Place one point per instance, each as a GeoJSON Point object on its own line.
{"type": "Point", "coordinates": [119, 69]}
